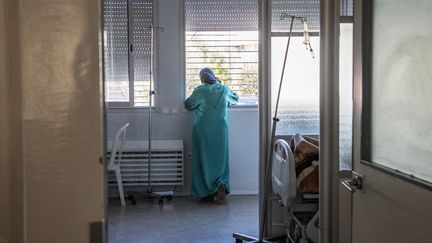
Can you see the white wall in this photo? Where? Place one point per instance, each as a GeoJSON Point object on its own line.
{"type": "Point", "coordinates": [243, 122]}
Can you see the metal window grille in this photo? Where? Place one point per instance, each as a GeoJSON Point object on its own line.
{"type": "Point", "coordinates": [127, 49]}
{"type": "Point", "coordinates": [223, 35]}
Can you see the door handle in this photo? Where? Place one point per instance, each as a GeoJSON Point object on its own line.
{"type": "Point", "coordinates": [355, 183]}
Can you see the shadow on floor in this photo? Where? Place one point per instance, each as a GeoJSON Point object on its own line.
{"type": "Point", "coordinates": [184, 219]}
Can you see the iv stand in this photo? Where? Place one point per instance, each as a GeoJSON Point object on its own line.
{"type": "Point", "coordinates": [263, 212]}
{"type": "Point", "coordinates": [159, 194]}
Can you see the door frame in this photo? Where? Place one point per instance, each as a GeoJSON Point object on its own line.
{"type": "Point", "coordinates": [264, 107]}
{"type": "Point", "coordinates": [329, 122]}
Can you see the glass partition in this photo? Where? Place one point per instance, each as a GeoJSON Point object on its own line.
{"type": "Point", "coordinates": [397, 110]}
{"type": "Point", "coordinates": [345, 95]}
{"type": "Point", "coordinates": [299, 99]}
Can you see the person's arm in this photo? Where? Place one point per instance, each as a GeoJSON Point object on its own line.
{"type": "Point", "coordinates": [192, 102]}
{"type": "Point", "coordinates": [232, 98]}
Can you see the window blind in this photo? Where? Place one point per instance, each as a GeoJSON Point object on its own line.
{"type": "Point", "coordinates": [310, 9]}
{"type": "Point", "coordinates": [116, 66]}
{"type": "Point", "coordinates": [347, 7]}
{"type": "Point", "coordinates": [225, 15]}
{"type": "Point", "coordinates": [127, 50]}
{"type": "Point", "coordinates": [141, 21]}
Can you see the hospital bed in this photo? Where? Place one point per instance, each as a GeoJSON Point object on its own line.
{"type": "Point", "coordinates": [299, 201]}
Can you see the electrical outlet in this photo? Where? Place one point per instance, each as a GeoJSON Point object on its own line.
{"type": "Point", "coordinates": [175, 110]}
{"type": "Point", "coordinates": [165, 110]}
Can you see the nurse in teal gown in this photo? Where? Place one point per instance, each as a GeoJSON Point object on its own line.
{"type": "Point", "coordinates": [210, 157]}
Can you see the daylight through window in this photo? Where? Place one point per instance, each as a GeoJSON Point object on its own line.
{"type": "Point", "coordinates": [223, 35]}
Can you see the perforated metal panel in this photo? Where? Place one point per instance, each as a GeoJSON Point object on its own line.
{"type": "Point", "coordinates": [227, 15]}
{"type": "Point", "coordinates": [309, 9]}
{"type": "Point", "coordinates": [347, 7]}
{"type": "Point", "coordinates": [127, 49]}
{"type": "Point", "coordinates": [116, 66]}
{"type": "Point", "coordinates": [141, 18]}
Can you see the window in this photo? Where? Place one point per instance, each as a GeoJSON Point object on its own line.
{"type": "Point", "coordinates": [299, 101]}
{"type": "Point", "coordinates": [345, 95]}
{"type": "Point", "coordinates": [346, 85]}
{"type": "Point", "coordinates": [127, 52]}
{"type": "Point", "coordinates": [223, 35]}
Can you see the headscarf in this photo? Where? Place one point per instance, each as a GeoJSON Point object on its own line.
{"type": "Point", "coordinates": [207, 76]}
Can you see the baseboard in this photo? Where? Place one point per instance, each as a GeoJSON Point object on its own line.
{"type": "Point", "coordinates": [188, 194]}
{"type": "Point", "coordinates": [243, 193]}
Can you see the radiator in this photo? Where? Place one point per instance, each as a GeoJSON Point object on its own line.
{"type": "Point", "coordinates": [166, 163]}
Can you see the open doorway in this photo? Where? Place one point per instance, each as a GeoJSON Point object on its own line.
{"type": "Point", "coordinates": [161, 46]}
{"type": "Point", "coordinates": [197, 34]}
{"type": "Point", "coordinates": [299, 110]}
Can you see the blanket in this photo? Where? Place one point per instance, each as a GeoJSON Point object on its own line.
{"type": "Point", "coordinates": [306, 156]}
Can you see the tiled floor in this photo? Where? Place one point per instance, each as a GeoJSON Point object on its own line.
{"type": "Point", "coordinates": [184, 219]}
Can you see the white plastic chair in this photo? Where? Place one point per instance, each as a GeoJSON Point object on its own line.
{"type": "Point", "coordinates": [115, 159]}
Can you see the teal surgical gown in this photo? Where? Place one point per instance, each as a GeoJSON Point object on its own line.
{"type": "Point", "coordinates": [210, 157]}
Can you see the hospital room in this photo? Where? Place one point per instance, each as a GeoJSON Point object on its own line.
{"type": "Point", "coordinates": [165, 48]}
{"type": "Point", "coordinates": [214, 121]}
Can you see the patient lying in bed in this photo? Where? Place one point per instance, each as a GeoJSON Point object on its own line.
{"type": "Point", "coordinates": [306, 156]}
